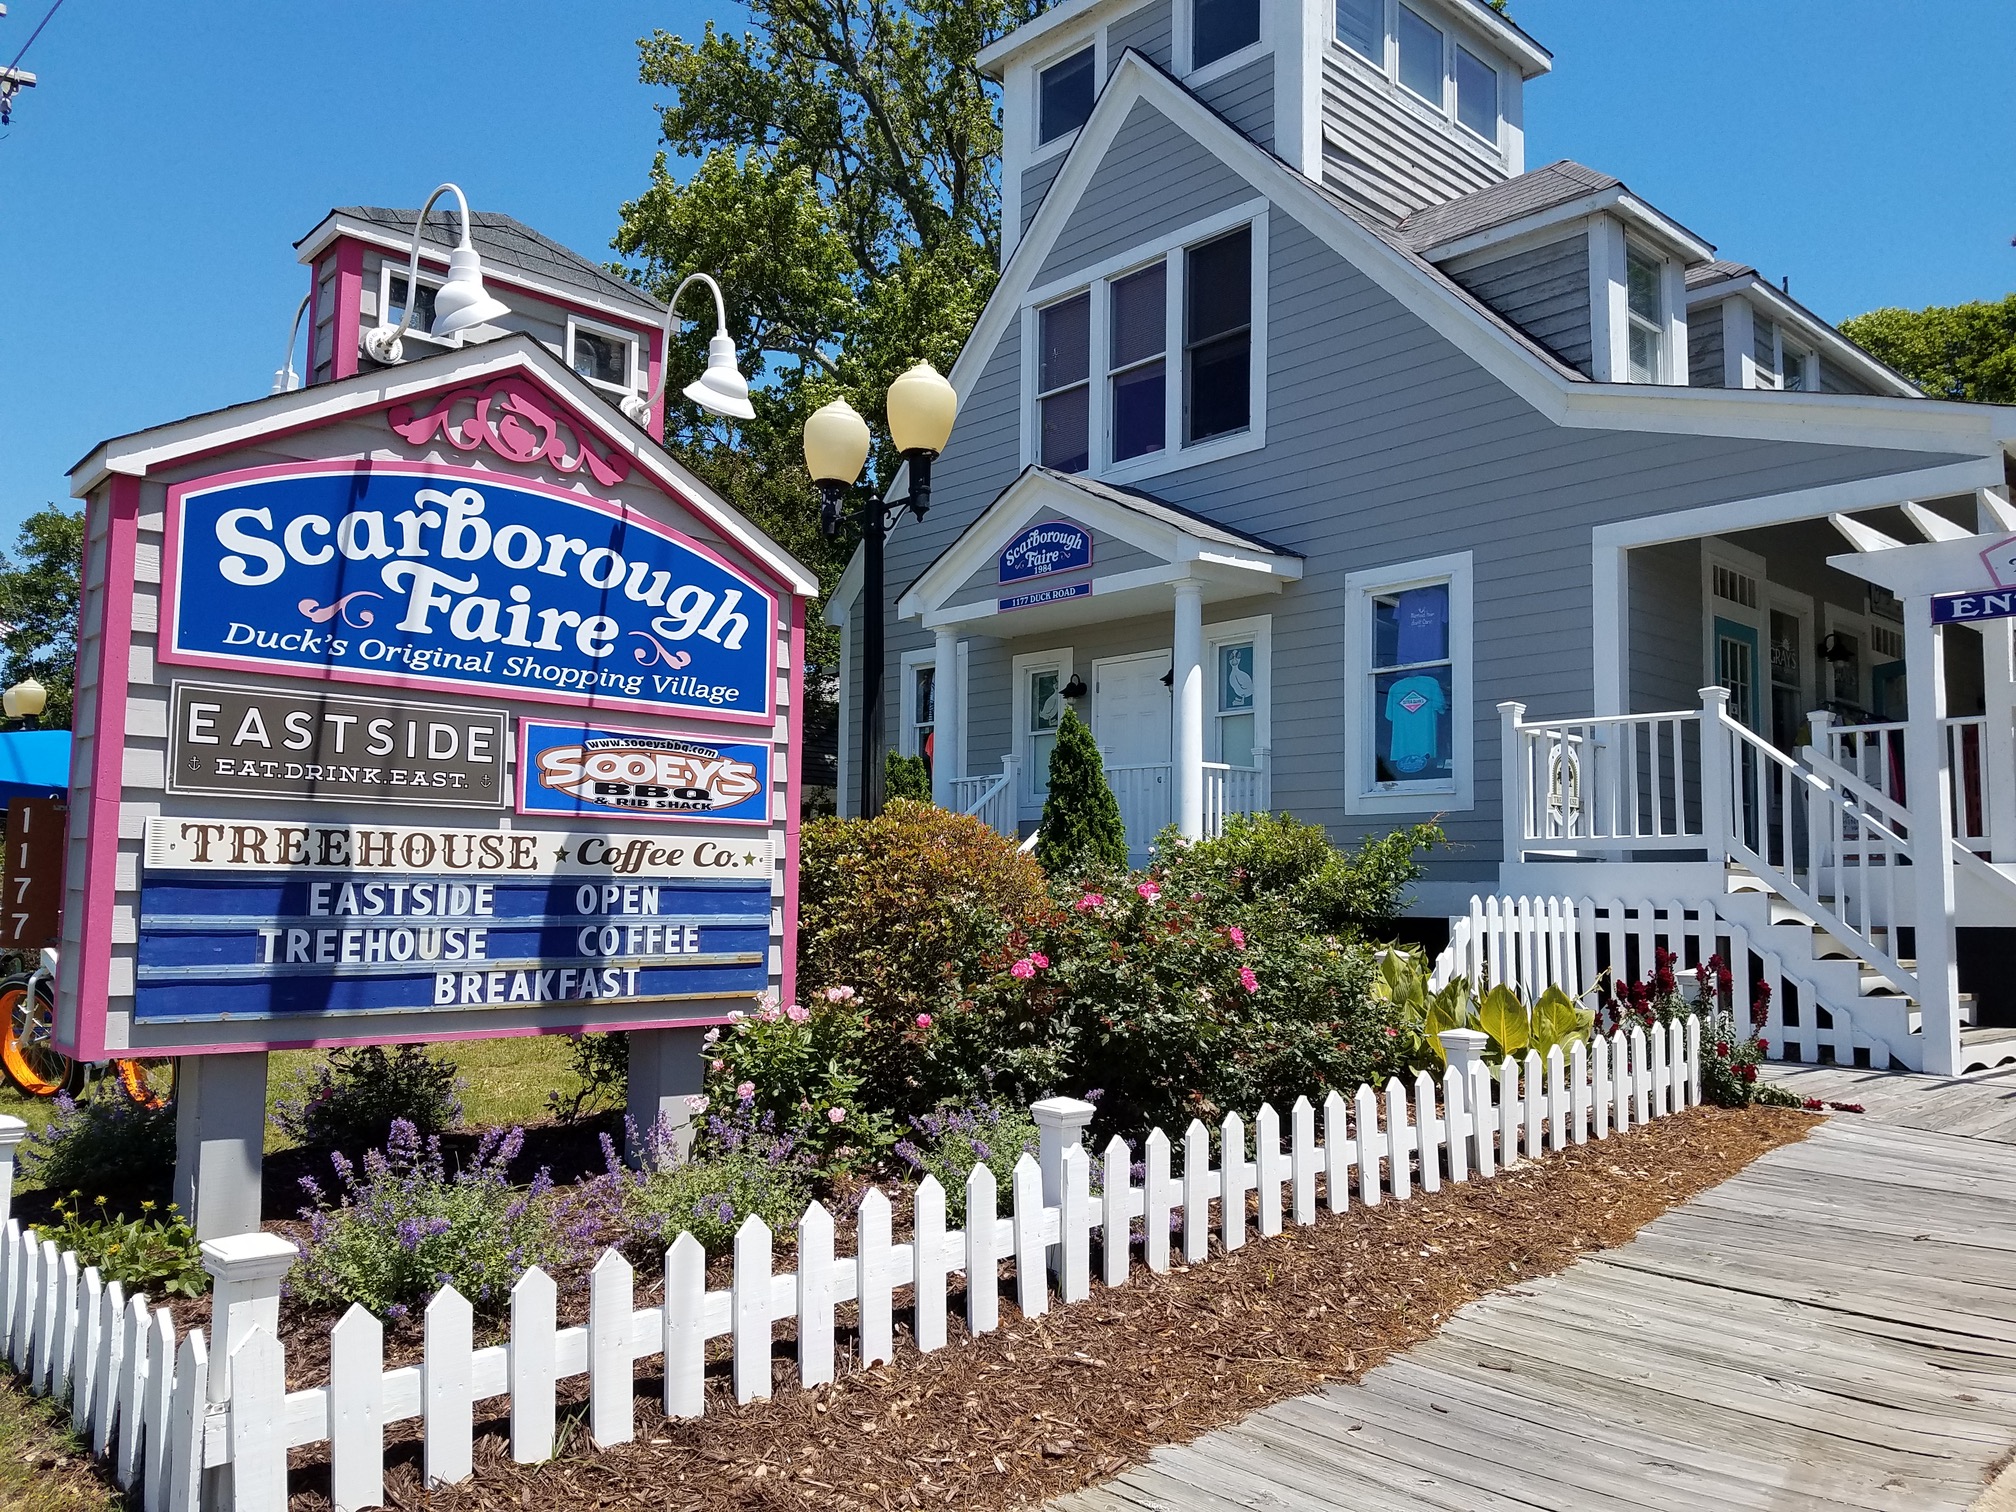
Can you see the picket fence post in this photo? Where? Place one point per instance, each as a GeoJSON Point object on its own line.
{"type": "Point", "coordinates": [1397, 1142]}
{"type": "Point", "coordinates": [983, 1257]}
{"type": "Point", "coordinates": [357, 1406]}
{"type": "Point", "coordinates": [132, 1387]}
{"type": "Point", "coordinates": [1509, 1110]}
{"type": "Point", "coordinates": [612, 1300]}
{"type": "Point", "coordinates": [1641, 1077]}
{"type": "Point", "coordinates": [933, 1264]}
{"type": "Point", "coordinates": [1116, 1212]}
{"type": "Point", "coordinates": [21, 1314]}
{"type": "Point", "coordinates": [1464, 1051]}
{"type": "Point", "coordinates": [1232, 1184]}
{"type": "Point", "coordinates": [1302, 1158]}
{"type": "Point", "coordinates": [685, 1343]}
{"type": "Point", "coordinates": [49, 1279]}
{"type": "Point", "coordinates": [111, 1359]}
{"type": "Point", "coordinates": [84, 1372]}
{"type": "Point", "coordinates": [258, 1423]}
{"type": "Point", "coordinates": [187, 1419]}
{"type": "Point", "coordinates": [1060, 1124]}
{"type": "Point", "coordinates": [1427, 1135]}
{"type": "Point", "coordinates": [1158, 1201]}
{"type": "Point", "coordinates": [1032, 1280]}
{"type": "Point", "coordinates": [1694, 1060]}
{"type": "Point", "coordinates": [874, 1272]}
{"type": "Point", "coordinates": [1074, 1223]}
{"type": "Point", "coordinates": [1455, 1123]}
{"type": "Point", "coordinates": [1196, 1192]}
{"type": "Point", "coordinates": [752, 1302]}
{"type": "Point", "coordinates": [159, 1395]}
{"type": "Point", "coordinates": [1336, 1154]}
{"type": "Point", "coordinates": [1365, 1130]}
{"type": "Point", "coordinates": [447, 1392]}
{"type": "Point", "coordinates": [1270, 1169]}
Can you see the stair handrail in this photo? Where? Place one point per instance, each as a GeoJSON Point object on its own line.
{"type": "Point", "coordinates": [1893, 813]}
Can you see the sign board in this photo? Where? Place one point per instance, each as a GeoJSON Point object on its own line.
{"type": "Point", "coordinates": [574, 770]}
{"type": "Point", "coordinates": [1054, 595]}
{"type": "Point", "coordinates": [2000, 560]}
{"type": "Point", "coordinates": [1053, 546]}
{"type": "Point", "coordinates": [241, 741]}
{"type": "Point", "coordinates": [424, 576]}
{"type": "Point", "coordinates": [1958, 608]}
{"type": "Point", "coordinates": [37, 829]}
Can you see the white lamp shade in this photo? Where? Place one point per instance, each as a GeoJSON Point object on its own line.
{"type": "Point", "coordinates": [462, 301]}
{"type": "Point", "coordinates": [836, 443]}
{"type": "Point", "coordinates": [922, 407]}
{"type": "Point", "coordinates": [25, 699]}
{"type": "Point", "coordinates": [722, 388]}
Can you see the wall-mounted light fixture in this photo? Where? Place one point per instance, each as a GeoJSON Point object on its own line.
{"type": "Point", "coordinates": [721, 389]}
{"type": "Point", "coordinates": [1836, 647]}
{"type": "Point", "coordinates": [459, 303]}
{"type": "Point", "coordinates": [285, 379]}
{"type": "Point", "coordinates": [1076, 687]}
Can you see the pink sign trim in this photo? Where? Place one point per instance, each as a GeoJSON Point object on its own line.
{"type": "Point", "coordinates": [365, 1036]}
{"type": "Point", "coordinates": [171, 588]}
{"type": "Point", "coordinates": [794, 762]}
{"type": "Point", "coordinates": [524, 429]}
{"type": "Point", "coordinates": [524, 778]}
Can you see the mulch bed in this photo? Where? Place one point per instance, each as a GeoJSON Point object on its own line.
{"type": "Point", "coordinates": [1050, 1404]}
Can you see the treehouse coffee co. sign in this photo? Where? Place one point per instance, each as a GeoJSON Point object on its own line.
{"type": "Point", "coordinates": [587, 695]}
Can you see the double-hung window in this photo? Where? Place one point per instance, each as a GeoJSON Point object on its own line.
{"type": "Point", "coordinates": [1421, 56]}
{"type": "Point", "coordinates": [1218, 336]}
{"type": "Point", "coordinates": [1037, 705]}
{"type": "Point", "coordinates": [1220, 28]}
{"type": "Point", "coordinates": [1361, 26]}
{"type": "Point", "coordinates": [1425, 60]}
{"type": "Point", "coordinates": [1645, 312]}
{"type": "Point", "coordinates": [1477, 94]}
{"type": "Point", "coordinates": [1064, 94]}
{"type": "Point", "coordinates": [1407, 653]}
{"type": "Point", "coordinates": [1236, 704]}
{"type": "Point", "coordinates": [923, 712]}
{"type": "Point", "coordinates": [1063, 383]}
{"type": "Point", "coordinates": [1136, 362]}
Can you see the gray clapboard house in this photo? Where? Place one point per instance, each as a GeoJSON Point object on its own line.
{"type": "Point", "coordinates": [1328, 459]}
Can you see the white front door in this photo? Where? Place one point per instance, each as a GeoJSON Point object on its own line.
{"type": "Point", "coordinates": [1130, 720]}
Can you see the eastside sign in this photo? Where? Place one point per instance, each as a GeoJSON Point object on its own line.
{"type": "Point", "coordinates": [1053, 546]}
{"type": "Point", "coordinates": [1958, 608]}
{"type": "Point", "coordinates": [420, 575]}
{"type": "Point", "coordinates": [640, 774]}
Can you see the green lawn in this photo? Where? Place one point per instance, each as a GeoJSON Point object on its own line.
{"type": "Point", "coordinates": [42, 1464]}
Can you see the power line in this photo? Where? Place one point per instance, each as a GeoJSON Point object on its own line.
{"type": "Point", "coordinates": [13, 78]}
{"type": "Point", "coordinates": [58, 5]}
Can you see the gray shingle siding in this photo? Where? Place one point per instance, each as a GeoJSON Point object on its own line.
{"type": "Point", "coordinates": [1036, 183]}
{"type": "Point", "coordinates": [1385, 445]}
{"type": "Point", "coordinates": [1147, 31]}
{"type": "Point", "coordinates": [1544, 291]}
{"type": "Point", "coordinates": [1245, 97]}
{"type": "Point", "coordinates": [1383, 157]}
{"type": "Point", "coordinates": [1760, 351]}
{"type": "Point", "coordinates": [1665, 627]}
{"type": "Point", "coordinates": [1704, 346]}
{"type": "Point", "coordinates": [1838, 380]}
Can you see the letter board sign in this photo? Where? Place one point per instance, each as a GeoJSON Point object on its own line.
{"type": "Point", "coordinates": [1959, 608]}
{"type": "Point", "coordinates": [1053, 546]}
{"type": "Point", "coordinates": [426, 576]}
{"type": "Point", "coordinates": [237, 741]}
{"type": "Point", "coordinates": [580, 770]}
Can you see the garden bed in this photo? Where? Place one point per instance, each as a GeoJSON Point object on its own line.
{"type": "Point", "coordinates": [1049, 1404]}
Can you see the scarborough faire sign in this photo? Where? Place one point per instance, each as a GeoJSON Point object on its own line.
{"type": "Point", "coordinates": [444, 577]}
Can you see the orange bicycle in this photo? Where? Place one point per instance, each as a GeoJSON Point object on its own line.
{"type": "Point", "coordinates": [29, 1056]}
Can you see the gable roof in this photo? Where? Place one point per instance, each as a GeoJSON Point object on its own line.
{"type": "Point", "coordinates": [502, 241]}
{"type": "Point", "coordinates": [238, 426]}
{"type": "Point", "coordinates": [1147, 505]}
{"type": "Point", "coordinates": [1719, 279]}
{"type": "Point", "coordinates": [1557, 192]}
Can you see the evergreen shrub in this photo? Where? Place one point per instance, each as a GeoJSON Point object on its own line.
{"type": "Point", "coordinates": [1082, 831]}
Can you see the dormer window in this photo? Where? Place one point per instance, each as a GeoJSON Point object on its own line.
{"type": "Point", "coordinates": [1645, 306]}
{"type": "Point", "coordinates": [1421, 56]}
{"type": "Point", "coordinates": [1361, 26]}
{"type": "Point", "coordinates": [1220, 28]}
{"type": "Point", "coordinates": [1455, 81]}
{"type": "Point", "coordinates": [1064, 93]}
{"type": "Point", "coordinates": [1477, 94]}
{"type": "Point", "coordinates": [604, 356]}
{"type": "Point", "coordinates": [392, 300]}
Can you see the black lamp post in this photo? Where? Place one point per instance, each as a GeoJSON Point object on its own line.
{"type": "Point", "coordinates": [921, 408]}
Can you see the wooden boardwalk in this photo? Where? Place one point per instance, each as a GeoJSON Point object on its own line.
{"type": "Point", "coordinates": [1834, 1328]}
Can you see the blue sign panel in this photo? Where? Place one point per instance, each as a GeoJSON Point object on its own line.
{"type": "Point", "coordinates": [426, 576]}
{"type": "Point", "coordinates": [1053, 546]}
{"type": "Point", "coordinates": [596, 769]}
{"type": "Point", "coordinates": [264, 945]}
{"type": "Point", "coordinates": [1047, 596]}
{"type": "Point", "coordinates": [1958, 608]}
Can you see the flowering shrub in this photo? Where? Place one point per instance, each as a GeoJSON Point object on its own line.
{"type": "Point", "coordinates": [103, 1144]}
{"type": "Point", "coordinates": [403, 1226]}
{"type": "Point", "coordinates": [949, 1141]}
{"type": "Point", "coordinates": [744, 1167]}
{"type": "Point", "coordinates": [353, 1100]}
{"type": "Point", "coordinates": [153, 1252]}
{"type": "Point", "coordinates": [1277, 859]}
{"type": "Point", "coordinates": [806, 1067]}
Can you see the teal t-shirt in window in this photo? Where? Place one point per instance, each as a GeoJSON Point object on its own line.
{"type": "Point", "coordinates": [1414, 706]}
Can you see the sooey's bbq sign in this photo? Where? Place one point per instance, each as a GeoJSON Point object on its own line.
{"type": "Point", "coordinates": [640, 774]}
{"type": "Point", "coordinates": [244, 742]}
{"type": "Point", "coordinates": [263, 921]}
{"type": "Point", "coordinates": [429, 576]}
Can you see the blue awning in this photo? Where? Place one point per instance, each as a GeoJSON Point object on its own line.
{"type": "Point", "coordinates": [34, 764]}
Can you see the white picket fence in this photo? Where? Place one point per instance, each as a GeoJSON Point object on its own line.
{"type": "Point", "coordinates": [190, 1432]}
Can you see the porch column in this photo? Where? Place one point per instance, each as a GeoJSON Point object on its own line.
{"type": "Point", "coordinates": [1187, 722]}
{"type": "Point", "coordinates": [1931, 806]}
{"type": "Point", "coordinates": [1998, 740]}
{"type": "Point", "coordinates": [948, 762]}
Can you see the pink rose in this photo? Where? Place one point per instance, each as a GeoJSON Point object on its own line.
{"type": "Point", "coordinates": [838, 994]}
{"type": "Point", "coordinates": [720, 1066]}
{"type": "Point", "coordinates": [1148, 890]}
{"type": "Point", "coordinates": [796, 1014]}
{"type": "Point", "coordinates": [1038, 959]}
{"type": "Point", "coordinates": [837, 1115]}
{"type": "Point", "coordinates": [1089, 902]}
{"type": "Point", "coordinates": [923, 1021]}
{"type": "Point", "coordinates": [1023, 969]}
{"type": "Point", "coordinates": [1237, 936]}
{"type": "Point", "coordinates": [1247, 980]}
{"type": "Point", "coordinates": [746, 1091]}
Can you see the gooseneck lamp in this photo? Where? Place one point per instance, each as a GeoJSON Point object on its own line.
{"type": "Point", "coordinates": [285, 379]}
{"type": "Point", "coordinates": [459, 303]}
{"type": "Point", "coordinates": [721, 390]}
{"type": "Point", "coordinates": [921, 407]}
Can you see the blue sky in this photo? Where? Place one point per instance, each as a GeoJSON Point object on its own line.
{"type": "Point", "coordinates": [152, 187]}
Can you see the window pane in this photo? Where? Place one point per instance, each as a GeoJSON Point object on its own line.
{"type": "Point", "coordinates": [1221, 388]}
{"type": "Point", "coordinates": [1040, 747]}
{"type": "Point", "coordinates": [1235, 740]}
{"type": "Point", "coordinates": [1218, 286]}
{"type": "Point", "coordinates": [1064, 96]}
{"type": "Point", "coordinates": [1220, 28]}
{"type": "Point", "coordinates": [1411, 710]}
{"type": "Point", "coordinates": [1361, 27]}
{"type": "Point", "coordinates": [1411, 627]}
{"type": "Point", "coordinates": [1642, 284]}
{"type": "Point", "coordinates": [1067, 430]}
{"type": "Point", "coordinates": [1645, 345]}
{"type": "Point", "coordinates": [395, 305]}
{"type": "Point", "coordinates": [1140, 409]}
{"type": "Point", "coordinates": [1067, 343]}
{"type": "Point", "coordinates": [1046, 704]}
{"type": "Point", "coordinates": [927, 690]}
{"type": "Point", "coordinates": [1420, 56]}
{"type": "Point", "coordinates": [1795, 368]}
{"type": "Point", "coordinates": [1139, 312]}
{"type": "Point", "coordinates": [1235, 678]}
{"type": "Point", "coordinates": [1476, 94]}
{"type": "Point", "coordinates": [602, 358]}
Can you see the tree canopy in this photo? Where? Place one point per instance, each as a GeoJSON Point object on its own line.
{"type": "Point", "coordinates": [1964, 351]}
{"type": "Point", "coordinates": [38, 606]}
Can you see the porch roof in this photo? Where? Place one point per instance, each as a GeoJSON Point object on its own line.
{"type": "Point", "coordinates": [1180, 545]}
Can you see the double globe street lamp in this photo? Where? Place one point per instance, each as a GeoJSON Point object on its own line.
{"type": "Point", "coordinates": [921, 407]}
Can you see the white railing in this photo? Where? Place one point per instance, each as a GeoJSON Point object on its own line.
{"type": "Point", "coordinates": [1146, 806]}
{"type": "Point", "coordinates": [1602, 785]}
{"type": "Point", "coordinates": [1233, 790]}
{"type": "Point", "coordinates": [991, 800]}
{"type": "Point", "coordinates": [1875, 754]}
{"type": "Point", "coordinates": [162, 1414]}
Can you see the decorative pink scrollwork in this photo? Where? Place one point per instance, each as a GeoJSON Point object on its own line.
{"type": "Point", "coordinates": [516, 422]}
{"type": "Point", "coordinates": [321, 614]}
{"type": "Point", "coordinates": [655, 652]}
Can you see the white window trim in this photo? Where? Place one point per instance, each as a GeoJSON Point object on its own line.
{"type": "Point", "coordinates": [387, 271]}
{"type": "Point", "coordinates": [1779, 600]}
{"type": "Point", "coordinates": [1441, 107]}
{"type": "Point", "coordinates": [1362, 796]}
{"type": "Point", "coordinates": [1716, 552]}
{"type": "Point", "coordinates": [1182, 35]}
{"type": "Point", "coordinates": [1039, 150]}
{"type": "Point", "coordinates": [1610, 305]}
{"type": "Point", "coordinates": [1506, 144]}
{"type": "Point", "coordinates": [907, 700]}
{"type": "Point", "coordinates": [634, 364]}
{"type": "Point", "coordinates": [1029, 800]}
{"type": "Point", "coordinates": [1259, 629]}
{"type": "Point", "coordinates": [1495, 141]}
{"type": "Point", "coordinates": [1174, 456]}
{"type": "Point", "coordinates": [1809, 360]}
